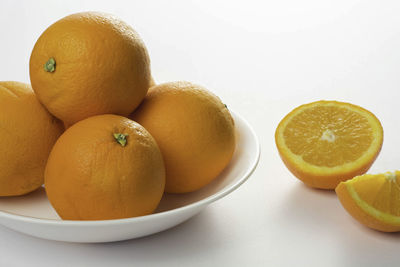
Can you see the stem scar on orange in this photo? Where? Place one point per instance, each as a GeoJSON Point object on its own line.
{"type": "Point", "coordinates": [105, 167]}
{"type": "Point", "coordinates": [89, 64]}
{"type": "Point", "coordinates": [326, 142]}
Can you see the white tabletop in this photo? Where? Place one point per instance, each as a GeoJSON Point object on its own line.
{"type": "Point", "coordinates": [263, 59]}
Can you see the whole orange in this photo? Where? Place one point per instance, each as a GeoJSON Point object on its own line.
{"type": "Point", "coordinates": [88, 64]}
{"type": "Point", "coordinates": [27, 134]}
{"type": "Point", "coordinates": [105, 167]}
{"type": "Point", "coordinates": [194, 130]}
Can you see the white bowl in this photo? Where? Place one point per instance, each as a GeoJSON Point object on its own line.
{"type": "Point", "coordinates": [32, 214]}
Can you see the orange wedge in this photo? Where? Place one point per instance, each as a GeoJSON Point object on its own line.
{"type": "Point", "coordinates": [326, 142]}
{"type": "Point", "coordinates": [373, 200]}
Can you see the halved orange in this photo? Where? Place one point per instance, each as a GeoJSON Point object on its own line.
{"type": "Point", "coordinates": [373, 200]}
{"type": "Point", "coordinates": [326, 142]}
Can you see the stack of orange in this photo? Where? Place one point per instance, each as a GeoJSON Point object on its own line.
{"type": "Point", "coordinates": [330, 145]}
{"type": "Point", "coordinates": [122, 147]}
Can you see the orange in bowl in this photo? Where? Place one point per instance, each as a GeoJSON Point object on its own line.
{"type": "Point", "coordinates": [194, 130]}
{"type": "Point", "coordinates": [105, 167]}
{"type": "Point", "coordinates": [27, 134]}
{"type": "Point", "coordinates": [89, 64]}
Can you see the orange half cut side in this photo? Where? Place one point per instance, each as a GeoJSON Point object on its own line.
{"type": "Point", "coordinates": [326, 142]}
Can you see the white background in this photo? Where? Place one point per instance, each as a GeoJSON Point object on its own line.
{"type": "Point", "coordinates": [263, 58]}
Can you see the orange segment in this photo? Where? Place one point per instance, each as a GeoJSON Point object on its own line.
{"type": "Point", "coordinates": [325, 142]}
{"type": "Point", "coordinates": [373, 200]}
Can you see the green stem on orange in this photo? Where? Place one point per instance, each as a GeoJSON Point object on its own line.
{"type": "Point", "coordinates": [121, 138]}
{"type": "Point", "coordinates": [50, 65]}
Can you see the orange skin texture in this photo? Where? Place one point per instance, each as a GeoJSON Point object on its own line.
{"type": "Point", "coordinates": [27, 134]}
{"type": "Point", "coordinates": [90, 176]}
{"type": "Point", "coordinates": [327, 180]}
{"type": "Point", "coordinates": [194, 130]}
{"type": "Point", "coordinates": [361, 216]}
{"type": "Point", "coordinates": [102, 67]}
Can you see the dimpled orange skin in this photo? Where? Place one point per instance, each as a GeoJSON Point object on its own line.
{"type": "Point", "coordinates": [194, 130]}
{"type": "Point", "coordinates": [101, 66]}
{"type": "Point", "coordinates": [90, 176]}
{"type": "Point", "coordinates": [27, 134]}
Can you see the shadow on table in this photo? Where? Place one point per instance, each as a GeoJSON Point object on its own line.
{"type": "Point", "coordinates": [308, 206]}
{"type": "Point", "coordinates": [195, 236]}
{"type": "Point", "coordinates": [319, 212]}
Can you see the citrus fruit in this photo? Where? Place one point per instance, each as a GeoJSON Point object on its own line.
{"type": "Point", "coordinates": [373, 200]}
{"type": "Point", "coordinates": [105, 167]}
{"type": "Point", "coordinates": [27, 134]}
{"type": "Point", "coordinates": [194, 130]}
{"type": "Point", "coordinates": [326, 142]}
{"type": "Point", "coordinates": [88, 64]}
